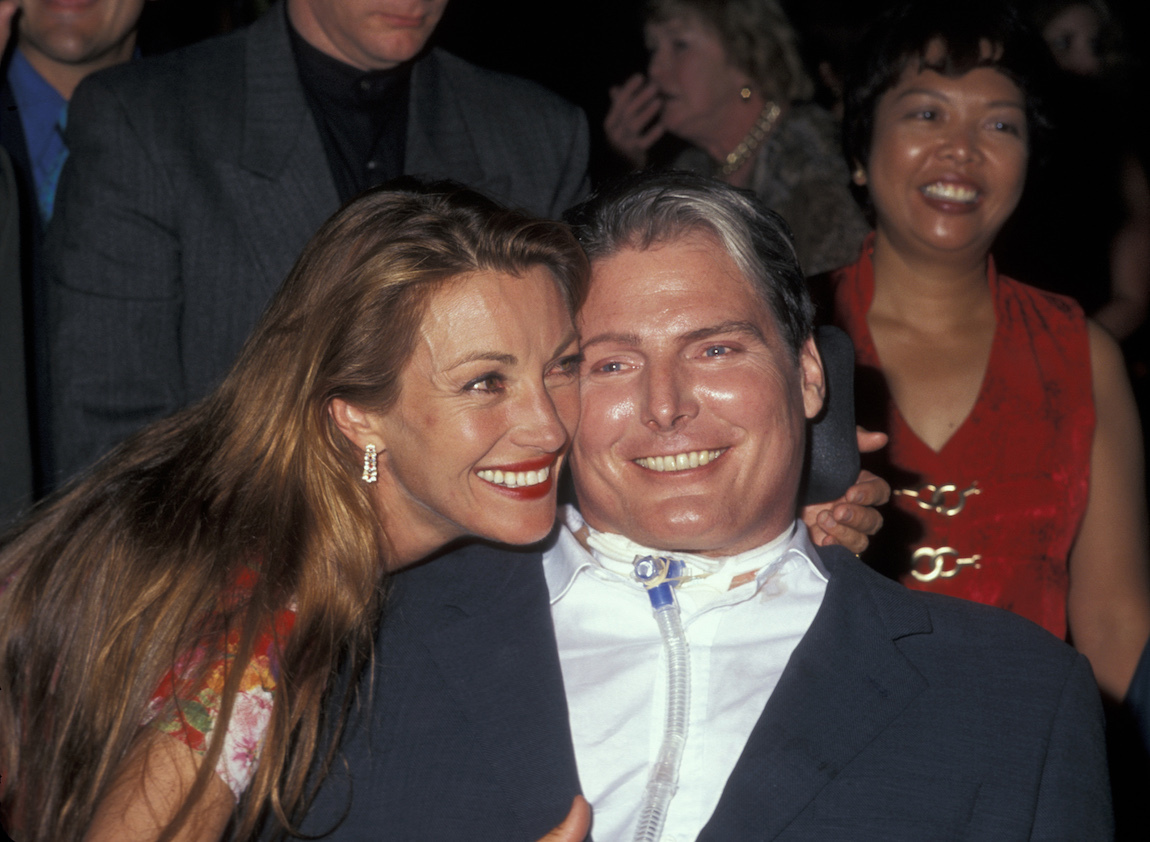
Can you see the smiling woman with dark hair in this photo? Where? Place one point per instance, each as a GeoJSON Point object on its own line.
{"type": "Point", "coordinates": [1014, 442]}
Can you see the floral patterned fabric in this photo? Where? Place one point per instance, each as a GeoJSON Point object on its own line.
{"type": "Point", "coordinates": [197, 708]}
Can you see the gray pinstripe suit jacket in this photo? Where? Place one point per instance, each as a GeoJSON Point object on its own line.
{"type": "Point", "coordinates": [194, 181]}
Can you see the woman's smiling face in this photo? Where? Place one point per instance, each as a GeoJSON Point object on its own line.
{"type": "Point", "coordinates": [948, 159]}
{"type": "Point", "coordinates": [486, 408]}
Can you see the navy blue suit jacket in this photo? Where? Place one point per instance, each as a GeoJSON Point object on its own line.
{"type": "Point", "coordinates": [901, 716]}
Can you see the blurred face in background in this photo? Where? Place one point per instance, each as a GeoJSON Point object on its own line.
{"type": "Point", "coordinates": [699, 86]}
{"type": "Point", "coordinates": [367, 34]}
{"type": "Point", "coordinates": [1073, 39]}
{"type": "Point", "coordinates": [77, 34]}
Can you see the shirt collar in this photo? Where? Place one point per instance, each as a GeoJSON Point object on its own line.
{"type": "Point", "coordinates": [568, 558]}
{"type": "Point", "coordinates": [334, 81]}
{"type": "Point", "coordinates": [40, 104]}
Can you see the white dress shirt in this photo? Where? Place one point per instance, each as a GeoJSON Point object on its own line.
{"type": "Point", "coordinates": [743, 618]}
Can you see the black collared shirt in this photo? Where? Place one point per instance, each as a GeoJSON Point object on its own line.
{"type": "Point", "coordinates": [361, 116]}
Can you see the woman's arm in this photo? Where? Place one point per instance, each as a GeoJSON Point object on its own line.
{"type": "Point", "coordinates": [150, 790]}
{"type": "Point", "coordinates": [1109, 602]}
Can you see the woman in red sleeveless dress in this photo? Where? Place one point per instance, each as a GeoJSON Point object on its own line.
{"type": "Point", "coordinates": [1015, 449]}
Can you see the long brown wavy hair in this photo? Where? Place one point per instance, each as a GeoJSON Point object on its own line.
{"type": "Point", "coordinates": [105, 586]}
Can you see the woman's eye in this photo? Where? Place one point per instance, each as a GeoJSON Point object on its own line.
{"type": "Point", "coordinates": [926, 114]}
{"type": "Point", "coordinates": [567, 366]}
{"type": "Point", "coordinates": [486, 383]}
{"type": "Point", "coordinates": [1008, 127]}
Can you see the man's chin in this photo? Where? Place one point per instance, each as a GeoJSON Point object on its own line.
{"type": "Point", "coordinates": [694, 535]}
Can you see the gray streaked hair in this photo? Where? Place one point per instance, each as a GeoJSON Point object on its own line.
{"type": "Point", "coordinates": [651, 208]}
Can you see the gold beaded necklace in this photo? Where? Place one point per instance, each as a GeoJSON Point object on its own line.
{"type": "Point", "coordinates": [753, 140]}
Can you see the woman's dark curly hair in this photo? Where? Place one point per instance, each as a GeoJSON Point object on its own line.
{"type": "Point", "coordinates": [907, 34]}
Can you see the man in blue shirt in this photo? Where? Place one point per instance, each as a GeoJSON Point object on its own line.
{"type": "Point", "coordinates": [57, 44]}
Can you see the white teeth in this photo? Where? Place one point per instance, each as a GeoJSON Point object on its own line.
{"type": "Point", "coordinates": [950, 192]}
{"type": "Point", "coordinates": [678, 462]}
{"type": "Point", "coordinates": [515, 479]}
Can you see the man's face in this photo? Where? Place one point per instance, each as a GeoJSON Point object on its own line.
{"type": "Point", "coordinates": [79, 32]}
{"type": "Point", "coordinates": [693, 409]}
{"type": "Point", "coordinates": [368, 34]}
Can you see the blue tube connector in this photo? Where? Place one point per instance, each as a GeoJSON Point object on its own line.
{"type": "Point", "coordinates": [659, 575]}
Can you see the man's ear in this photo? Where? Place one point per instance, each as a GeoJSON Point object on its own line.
{"type": "Point", "coordinates": [811, 378]}
{"type": "Point", "coordinates": [360, 427]}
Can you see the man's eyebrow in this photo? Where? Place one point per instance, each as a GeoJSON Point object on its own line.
{"type": "Point", "coordinates": [631, 339]}
{"type": "Point", "coordinates": [735, 326]}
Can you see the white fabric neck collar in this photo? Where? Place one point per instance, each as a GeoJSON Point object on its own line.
{"type": "Point", "coordinates": [616, 553]}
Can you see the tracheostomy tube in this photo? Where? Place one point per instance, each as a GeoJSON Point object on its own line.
{"type": "Point", "coordinates": [660, 575]}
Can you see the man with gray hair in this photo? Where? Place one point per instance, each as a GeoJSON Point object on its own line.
{"type": "Point", "coordinates": [685, 651]}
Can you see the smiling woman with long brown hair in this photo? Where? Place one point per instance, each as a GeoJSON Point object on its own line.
{"type": "Point", "coordinates": [414, 382]}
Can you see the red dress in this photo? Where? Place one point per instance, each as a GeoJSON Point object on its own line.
{"type": "Point", "coordinates": [993, 515]}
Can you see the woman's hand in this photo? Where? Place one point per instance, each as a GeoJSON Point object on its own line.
{"type": "Point", "coordinates": [575, 826]}
{"type": "Point", "coordinates": [632, 125]}
{"type": "Point", "coordinates": [852, 519]}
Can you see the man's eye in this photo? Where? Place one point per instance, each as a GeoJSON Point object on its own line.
{"type": "Point", "coordinates": [609, 368]}
{"type": "Point", "coordinates": [717, 351]}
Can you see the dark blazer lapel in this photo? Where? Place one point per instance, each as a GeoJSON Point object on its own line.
{"type": "Point", "coordinates": [493, 641]}
{"type": "Point", "coordinates": [439, 142]}
{"type": "Point", "coordinates": [845, 683]}
{"type": "Point", "coordinates": [283, 179]}
{"type": "Point", "coordinates": [12, 136]}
